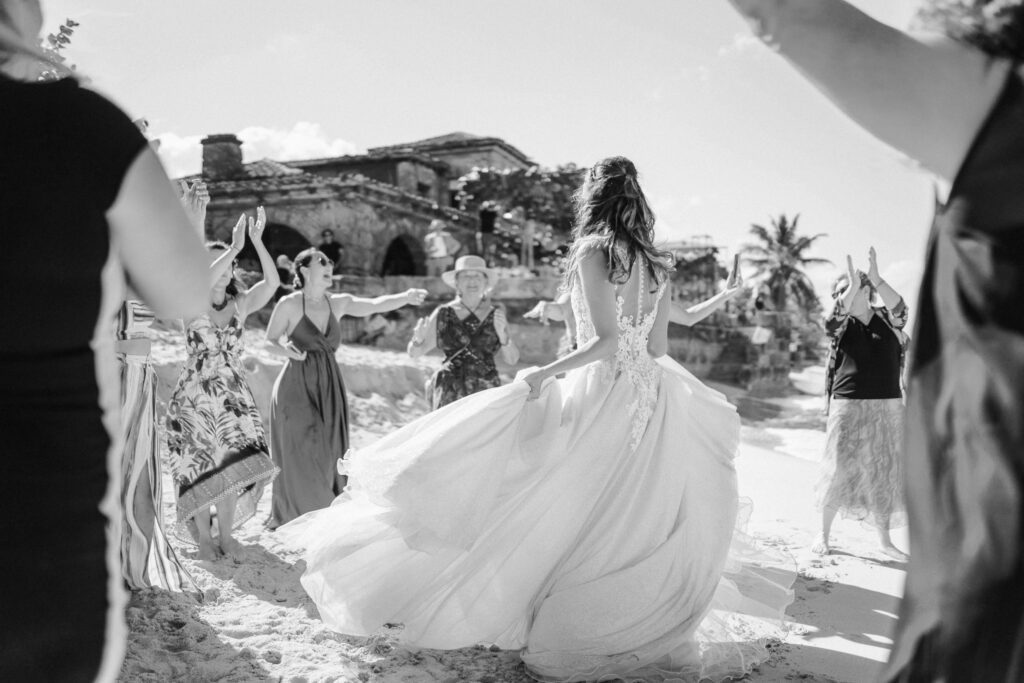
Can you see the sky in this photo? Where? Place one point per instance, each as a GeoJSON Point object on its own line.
{"type": "Point", "coordinates": [723, 131]}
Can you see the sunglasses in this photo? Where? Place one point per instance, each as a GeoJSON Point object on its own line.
{"type": "Point", "coordinates": [321, 259]}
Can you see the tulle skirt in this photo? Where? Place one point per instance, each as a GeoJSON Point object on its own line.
{"type": "Point", "coordinates": [549, 527]}
{"type": "Point", "coordinates": [861, 473]}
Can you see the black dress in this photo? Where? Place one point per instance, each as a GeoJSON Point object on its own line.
{"type": "Point", "coordinates": [962, 617]}
{"type": "Point", "coordinates": [64, 152]}
{"type": "Point", "coordinates": [469, 346]}
{"type": "Point", "coordinates": [308, 423]}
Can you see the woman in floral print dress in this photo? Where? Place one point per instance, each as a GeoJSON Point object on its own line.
{"type": "Point", "coordinates": [218, 450]}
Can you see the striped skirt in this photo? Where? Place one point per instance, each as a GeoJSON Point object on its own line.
{"type": "Point", "coordinates": [147, 559]}
{"type": "Point", "coordinates": [861, 471]}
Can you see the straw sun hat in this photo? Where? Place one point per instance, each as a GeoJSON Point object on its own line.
{"type": "Point", "coordinates": [468, 263]}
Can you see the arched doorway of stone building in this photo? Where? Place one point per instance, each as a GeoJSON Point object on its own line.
{"type": "Point", "coordinates": [279, 239]}
{"type": "Point", "coordinates": [404, 256]}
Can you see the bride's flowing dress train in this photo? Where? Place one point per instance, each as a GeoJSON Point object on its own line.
{"type": "Point", "coordinates": [592, 528]}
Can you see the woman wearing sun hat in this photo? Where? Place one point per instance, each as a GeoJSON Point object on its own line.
{"type": "Point", "coordinates": [469, 330]}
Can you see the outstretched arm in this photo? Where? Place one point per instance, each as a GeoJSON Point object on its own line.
{"type": "Point", "coordinates": [925, 98]}
{"type": "Point", "coordinates": [360, 307]}
{"type": "Point", "coordinates": [694, 314]}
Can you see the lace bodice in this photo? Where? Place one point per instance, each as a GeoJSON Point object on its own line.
{"type": "Point", "coordinates": [632, 361]}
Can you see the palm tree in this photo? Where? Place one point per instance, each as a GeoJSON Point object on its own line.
{"type": "Point", "coordinates": [780, 257]}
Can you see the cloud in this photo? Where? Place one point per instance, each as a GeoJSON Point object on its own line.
{"type": "Point", "coordinates": [700, 74]}
{"type": "Point", "coordinates": [304, 141]}
{"type": "Point", "coordinates": [741, 43]}
{"type": "Point", "coordinates": [183, 154]}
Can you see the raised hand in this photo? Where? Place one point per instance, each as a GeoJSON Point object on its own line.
{"type": "Point", "coordinates": [873, 274]}
{"type": "Point", "coordinates": [195, 198]}
{"type": "Point", "coordinates": [501, 324]}
{"type": "Point", "coordinates": [415, 297]}
{"type": "Point", "coordinates": [257, 226]}
{"type": "Point", "coordinates": [238, 234]}
{"type": "Point", "coordinates": [419, 332]}
{"type": "Point", "coordinates": [734, 285]}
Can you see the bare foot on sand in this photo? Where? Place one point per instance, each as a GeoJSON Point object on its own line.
{"type": "Point", "coordinates": [230, 546]}
{"type": "Point", "coordinates": [821, 546]}
{"type": "Point", "coordinates": [895, 553]}
{"type": "Point", "coordinates": [208, 551]}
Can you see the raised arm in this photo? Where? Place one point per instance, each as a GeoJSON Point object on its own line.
{"type": "Point", "coordinates": [157, 243]}
{"type": "Point", "coordinates": [600, 297]}
{"type": "Point", "coordinates": [694, 314]}
{"type": "Point", "coordinates": [263, 291]}
{"type": "Point", "coordinates": [926, 98]}
{"type": "Point", "coordinates": [360, 307]}
{"type": "Point", "coordinates": [223, 262]}
{"type": "Point", "coordinates": [893, 301]}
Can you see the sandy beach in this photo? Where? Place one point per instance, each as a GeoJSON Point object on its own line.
{"type": "Point", "coordinates": [253, 621]}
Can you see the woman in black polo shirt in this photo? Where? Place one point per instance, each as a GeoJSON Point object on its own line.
{"type": "Point", "coordinates": [861, 473]}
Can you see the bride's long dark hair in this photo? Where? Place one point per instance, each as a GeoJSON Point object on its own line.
{"type": "Point", "coordinates": [612, 214]}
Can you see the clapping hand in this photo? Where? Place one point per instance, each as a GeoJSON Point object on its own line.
{"type": "Point", "coordinates": [194, 198]}
{"type": "Point", "coordinates": [873, 274]}
{"type": "Point", "coordinates": [257, 226]}
{"type": "Point", "coordinates": [501, 325]}
{"type": "Point", "coordinates": [419, 333]}
{"type": "Point", "coordinates": [238, 234]}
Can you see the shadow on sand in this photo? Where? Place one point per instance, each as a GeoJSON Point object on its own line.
{"type": "Point", "coordinates": [168, 641]}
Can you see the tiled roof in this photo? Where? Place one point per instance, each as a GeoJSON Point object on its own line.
{"type": "Point", "coordinates": [268, 168]}
{"type": "Point", "coordinates": [452, 141]}
{"type": "Point", "coordinates": [374, 155]}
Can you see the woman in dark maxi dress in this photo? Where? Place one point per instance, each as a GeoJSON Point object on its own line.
{"type": "Point", "coordinates": [83, 197]}
{"type": "Point", "coordinates": [470, 331]}
{"type": "Point", "coordinates": [308, 409]}
{"type": "Point", "coordinates": [957, 107]}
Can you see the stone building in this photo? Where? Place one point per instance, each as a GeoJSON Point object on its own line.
{"type": "Point", "coordinates": [378, 205]}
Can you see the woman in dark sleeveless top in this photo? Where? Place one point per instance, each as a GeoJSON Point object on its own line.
{"type": "Point", "coordinates": [308, 409]}
{"type": "Point", "coordinates": [83, 198]}
{"type": "Point", "coordinates": [861, 471]}
{"type": "Point", "coordinates": [958, 109]}
{"type": "Point", "coordinates": [469, 331]}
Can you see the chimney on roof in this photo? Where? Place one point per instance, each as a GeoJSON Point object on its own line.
{"type": "Point", "coordinates": [222, 157]}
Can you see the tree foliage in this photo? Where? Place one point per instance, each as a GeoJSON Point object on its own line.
{"type": "Point", "coordinates": [52, 46]}
{"type": "Point", "coordinates": [780, 258]}
{"type": "Point", "coordinates": [545, 194]}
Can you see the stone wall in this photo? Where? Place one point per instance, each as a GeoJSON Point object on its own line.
{"type": "Point", "coordinates": [363, 226]}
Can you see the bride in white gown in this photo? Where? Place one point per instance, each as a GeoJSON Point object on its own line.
{"type": "Point", "coordinates": [583, 514]}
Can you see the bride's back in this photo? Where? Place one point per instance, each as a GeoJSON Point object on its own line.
{"type": "Point", "coordinates": [642, 310]}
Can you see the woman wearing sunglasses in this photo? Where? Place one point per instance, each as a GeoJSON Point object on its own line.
{"type": "Point", "coordinates": [308, 409]}
{"type": "Point", "coordinates": [861, 472]}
